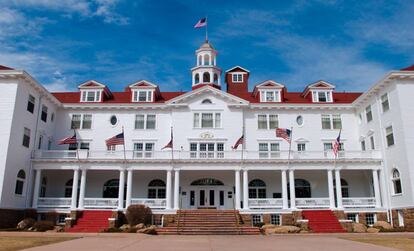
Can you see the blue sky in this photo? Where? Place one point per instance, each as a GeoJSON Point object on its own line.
{"type": "Point", "coordinates": [63, 43]}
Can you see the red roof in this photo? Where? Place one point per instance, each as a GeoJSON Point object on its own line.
{"type": "Point", "coordinates": [409, 68]}
{"type": "Point", "coordinates": [2, 67]}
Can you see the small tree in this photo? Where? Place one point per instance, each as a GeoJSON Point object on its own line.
{"type": "Point", "coordinates": [137, 214]}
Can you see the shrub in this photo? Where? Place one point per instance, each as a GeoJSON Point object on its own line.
{"type": "Point", "coordinates": [43, 225]}
{"type": "Point", "coordinates": [137, 214]}
{"type": "Point", "coordinates": [260, 224]}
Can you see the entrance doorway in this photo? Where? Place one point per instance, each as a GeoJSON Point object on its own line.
{"type": "Point", "coordinates": [207, 193]}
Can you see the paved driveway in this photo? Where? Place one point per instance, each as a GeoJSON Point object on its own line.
{"type": "Point", "coordinates": [104, 242]}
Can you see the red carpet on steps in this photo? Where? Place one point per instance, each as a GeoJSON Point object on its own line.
{"type": "Point", "coordinates": [91, 221]}
{"type": "Point", "coordinates": [322, 221]}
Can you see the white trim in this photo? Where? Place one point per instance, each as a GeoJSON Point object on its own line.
{"type": "Point", "coordinates": [235, 67]}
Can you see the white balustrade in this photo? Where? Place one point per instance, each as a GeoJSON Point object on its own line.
{"type": "Point", "coordinates": [359, 202]}
{"type": "Point", "coordinates": [265, 203]}
{"type": "Point", "coordinates": [52, 202]}
{"type": "Point", "coordinates": [151, 203]}
{"type": "Point", "coordinates": [312, 202]}
{"type": "Point", "coordinates": [101, 203]}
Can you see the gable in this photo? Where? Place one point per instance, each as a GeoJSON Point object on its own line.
{"type": "Point", "coordinates": [321, 84]}
{"type": "Point", "coordinates": [143, 84]}
{"type": "Point", "coordinates": [91, 84]}
{"type": "Point", "coordinates": [237, 68]}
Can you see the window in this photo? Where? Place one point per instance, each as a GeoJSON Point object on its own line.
{"type": "Point", "coordinates": [43, 187]}
{"type": "Point", "coordinates": [389, 134]}
{"type": "Point", "coordinates": [76, 121]}
{"type": "Point", "coordinates": [269, 150]}
{"type": "Point", "coordinates": [206, 101]}
{"type": "Point", "coordinates": [39, 146]}
{"type": "Point", "coordinates": [206, 77]}
{"type": "Point", "coordinates": [363, 147]}
{"type": "Point", "coordinates": [91, 96]}
{"type": "Point", "coordinates": [257, 219]}
{"type": "Point", "coordinates": [68, 188]}
{"type": "Point", "coordinates": [43, 116]}
{"type": "Point", "coordinates": [52, 117]}
{"type": "Point", "coordinates": [237, 77]}
{"type": "Point", "coordinates": [257, 189]}
{"type": "Point", "coordinates": [113, 120]}
{"type": "Point", "coordinates": [299, 120]}
{"type": "Point", "coordinates": [111, 189]}
{"type": "Point", "coordinates": [87, 121]}
{"type": "Point", "coordinates": [143, 150]}
{"type": "Point", "coordinates": [79, 121]}
{"type": "Point", "coordinates": [270, 96]}
{"type": "Point", "coordinates": [396, 181]}
{"type": "Point", "coordinates": [344, 188]}
{"type": "Point", "coordinates": [145, 121]}
{"type": "Point", "coordinates": [370, 219]}
{"type": "Point", "coordinates": [142, 95]}
{"type": "Point", "coordinates": [275, 219]}
{"type": "Point", "coordinates": [30, 104]}
{"type": "Point", "coordinates": [197, 78]}
{"type": "Point", "coordinates": [385, 103]}
{"type": "Point", "coordinates": [371, 140]}
{"type": "Point", "coordinates": [207, 120]}
{"type": "Point", "coordinates": [156, 189]}
{"type": "Point", "coordinates": [26, 137]}
{"type": "Point", "coordinates": [267, 121]}
{"type": "Point", "coordinates": [352, 217]}
{"type": "Point", "coordinates": [331, 121]}
{"type": "Point", "coordinates": [368, 113]}
{"type": "Point", "coordinates": [84, 145]}
{"type": "Point", "coordinates": [301, 147]}
{"type": "Point", "coordinates": [322, 96]}
{"type": "Point", "coordinates": [21, 177]}
{"type": "Point", "coordinates": [207, 150]}
{"type": "Point", "coordinates": [327, 147]}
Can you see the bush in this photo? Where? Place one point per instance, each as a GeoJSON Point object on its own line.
{"type": "Point", "coordinates": [43, 225]}
{"type": "Point", "coordinates": [137, 214]}
{"type": "Point", "coordinates": [260, 224]}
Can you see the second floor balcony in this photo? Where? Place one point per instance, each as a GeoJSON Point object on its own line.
{"type": "Point", "coordinates": [168, 155]}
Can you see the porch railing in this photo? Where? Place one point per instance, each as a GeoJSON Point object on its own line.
{"type": "Point", "coordinates": [358, 202]}
{"type": "Point", "coordinates": [152, 203]}
{"type": "Point", "coordinates": [265, 203]}
{"type": "Point", "coordinates": [52, 202]}
{"type": "Point", "coordinates": [191, 155]}
{"type": "Point", "coordinates": [100, 203]}
{"type": "Point", "coordinates": [312, 202]}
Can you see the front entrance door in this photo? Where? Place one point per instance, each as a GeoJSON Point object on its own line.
{"type": "Point", "coordinates": [207, 198]}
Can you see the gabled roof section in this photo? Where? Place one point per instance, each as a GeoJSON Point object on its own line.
{"type": "Point", "coordinates": [206, 89]}
{"type": "Point", "coordinates": [91, 84]}
{"type": "Point", "coordinates": [267, 84]}
{"type": "Point", "coordinates": [5, 68]}
{"type": "Point", "coordinates": [321, 84]}
{"type": "Point", "coordinates": [237, 68]}
{"type": "Point", "coordinates": [409, 68]}
{"type": "Point", "coordinates": [143, 84]}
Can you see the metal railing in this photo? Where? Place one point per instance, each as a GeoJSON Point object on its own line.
{"type": "Point", "coordinates": [265, 203]}
{"type": "Point", "coordinates": [358, 202]}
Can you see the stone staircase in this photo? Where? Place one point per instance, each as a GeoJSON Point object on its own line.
{"type": "Point", "coordinates": [323, 221]}
{"type": "Point", "coordinates": [91, 221]}
{"type": "Point", "coordinates": [208, 222]}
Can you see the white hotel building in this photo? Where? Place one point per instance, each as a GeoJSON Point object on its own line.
{"type": "Point", "coordinates": [372, 178]}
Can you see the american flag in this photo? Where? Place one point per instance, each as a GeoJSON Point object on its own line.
{"type": "Point", "coordinates": [201, 23]}
{"type": "Point", "coordinates": [116, 140]}
{"type": "Point", "coordinates": [240, 141]}
{"type": "Point", "coordinates": [68, 140]}
{"type": "Point", "coordinates": [284, 133]}
{"type": "Point", "coordinates": [336, 145]}
{"type": "Point", "coordinates": [170, 144]}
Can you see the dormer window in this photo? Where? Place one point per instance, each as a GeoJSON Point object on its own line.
{"type": "Point", "coordinates": [142, 95]}
{"type": "Point", "coordinates": [91, 96]}
{"type": "Point", "coordinates": [322, 96]}
{"type": "Point", "coordinates": [270, 96]}
{"type": "Point", "coordinates": [237, 77]}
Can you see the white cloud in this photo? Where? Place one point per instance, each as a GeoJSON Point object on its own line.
{"type": "Point", "coordinates": [14, 23]}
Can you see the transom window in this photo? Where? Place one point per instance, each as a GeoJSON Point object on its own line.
{"type": "Point", "coordinates": [267, 121]}
{"type": "Point", "coordinates": [156, 189]}
{"type": "Point", "coordinates": [26, 137]}
{"type": "Point", "coordinates": [385, 103]}
{"type": "Point", "coordinates": [142, 96]}
{"type": "Point", "coordinates": [31, 104]}
{"type": "Point", "coordinates": [21, 178]}
{"type": "Point", "coordinates": [145, 121]}
{"type": "Point", "coordinates": [207, 120]}
{"type": "Point", "coordinates": [368, 113]}
{"type": "Point", "coordinates": [81, 121]}
{"type": "Point", "coordinates": [270, 96]}
{"type": "Point", "coordinates": [322, 96]}
{"type": "Point", "coordinates": [257, 189]}
{"type": "Point", "coordinates": [389, 134]}
{"type": "Point", "coordinates": [237, 77]}
{"type": "Point", "coordinates": [143, 150]}
{"type": "Point", "coordinates": [43, 116]}
{"type": "Point", "coordinates": [91, 96]}
{"type": "Point", "coordinates": [207, 150]}
{"type": "Point", "coordinates": [269, 150]}
{"type": "Point", "coordinates": [331, 121]}
{"type": "Point", "coordinates": [396, 180]}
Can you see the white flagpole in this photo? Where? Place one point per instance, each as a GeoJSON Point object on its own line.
{"type": "Point", "coordinates": [172, 145]}
{"type": "Point", "coordinates": [123, 134]}
{"type": "Point", "coordinates": [206, 29]}
{"type": "Point", "coordinates": [290, 145]}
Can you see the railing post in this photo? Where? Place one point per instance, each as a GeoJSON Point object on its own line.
{"type": "Point", "coordinates": [36, 188]}
{"type": "Point", "coordinates": [129, 188]}
{"type": "Point", "coordinates": [237, 190]}
{"type": "Point", "coordinates": [338, 189]}
{"type": "Point", "coordinates": [245, 190]}
{"type": "Point", "coordinates": [82, 190]}
{"type": "Point", "coordinates": [284, 190]}
{"type": "Point", "coordinates": [376, 188]}
{"type": "Point", "coordinates": [292, 189]}
{"type": "Point", "coordinates": [121, 189]}
{"type": "Point", "coordinates": [331, 190]}
{"type": "Point", "coordinates": [75, 185]}
{"type": "Point", "coordinates": [176, 189]}
{"type": "Point", "coordinates": [168, 188]}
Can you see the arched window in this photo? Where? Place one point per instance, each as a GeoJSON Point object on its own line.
{"type": "Point", "coordinates": [206, 59]}
{"type": "Point", "coordinates": [215, 78]}
{"type": "Point", "coordinates": [206, 77]}
{"type": "Point", "coordinates": [197, 78]}
{"type": "Point", "coordinates": [111, 189]}
{"type": "Point", "coordinates": [68, 188]}
{"type": "Point", "coordinates": [21, 177]}
{"type": "Point", "coordinates": [200, 60]}
{"type": "Point", "coordinates": [396, 181]}
{"type": "Point", "coordinates": [302, 188]}
{"type": "Point", "coordinates": [156, 189]}
{"type": "Point", "coordinates": [206, 101]}
{"type": "Point", "coordinates": [344, 188]}
{"type": "Point", "coordinates": [257, 189]}
{"type": "Point", "coordinates": [43, 187]}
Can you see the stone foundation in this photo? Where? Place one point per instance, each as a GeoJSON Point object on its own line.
{"type": "Point", "coordinates": [408, 215]}
{"type": "Point", "coordinates": [10, 217]}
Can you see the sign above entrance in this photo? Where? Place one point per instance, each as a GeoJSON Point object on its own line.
{"type": "Point", "coordinates": [207, 182]}
{"type": "Point", "coordinates": [207, 135]}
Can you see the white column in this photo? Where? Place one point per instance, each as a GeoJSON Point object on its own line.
{"type": "Point", "coordinates": [237, 185]}
{"type": "Point", "coordinates": [338, 189]}
{"type": "Point", "coordinates": [292, 189]}
{"type": "Point", "coordinates": [177, 189]}
{"type": "Point", "coordinates": [82, 189]}
{"type": "Point", "coordinates": [168, 192]}
{"type": "Point", "coordinates": [75, 183]}
{"type": "Point", "coordinates": [36, 188]}
{"type": "Point", "coordinates": [376, 188]}
{"type": "Point", "coordinates": [331, 190]}
{"type": "Point", "coordinates": [284, 190]}
{"type": "Point", "coordinates": [129, 188]}
{"type": "Point", "coordinates": [245, 189]}
{"type": "Point", "coordinates": [121, 189]}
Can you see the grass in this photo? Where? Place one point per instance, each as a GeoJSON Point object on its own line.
{"type": "Point", "coordinates": [402, 243]}
{"type": "Point", "coordinates": [19, 243]}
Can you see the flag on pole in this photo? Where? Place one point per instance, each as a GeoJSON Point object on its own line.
{"type": "Point", "coordinates": [116, 140]}
{"type": "Point", "coordinates": [337, 144]}
{"type": "Point", "coordinates": [240, 141]}
{"type": "Point", "coordinates": [68, 140]}
{"type": "Point", "coordinates": [170, 144]}
{"type": "Point", "coordinates": [201, 23]}
{"type": "Point", "coordinates": [284, 133]}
